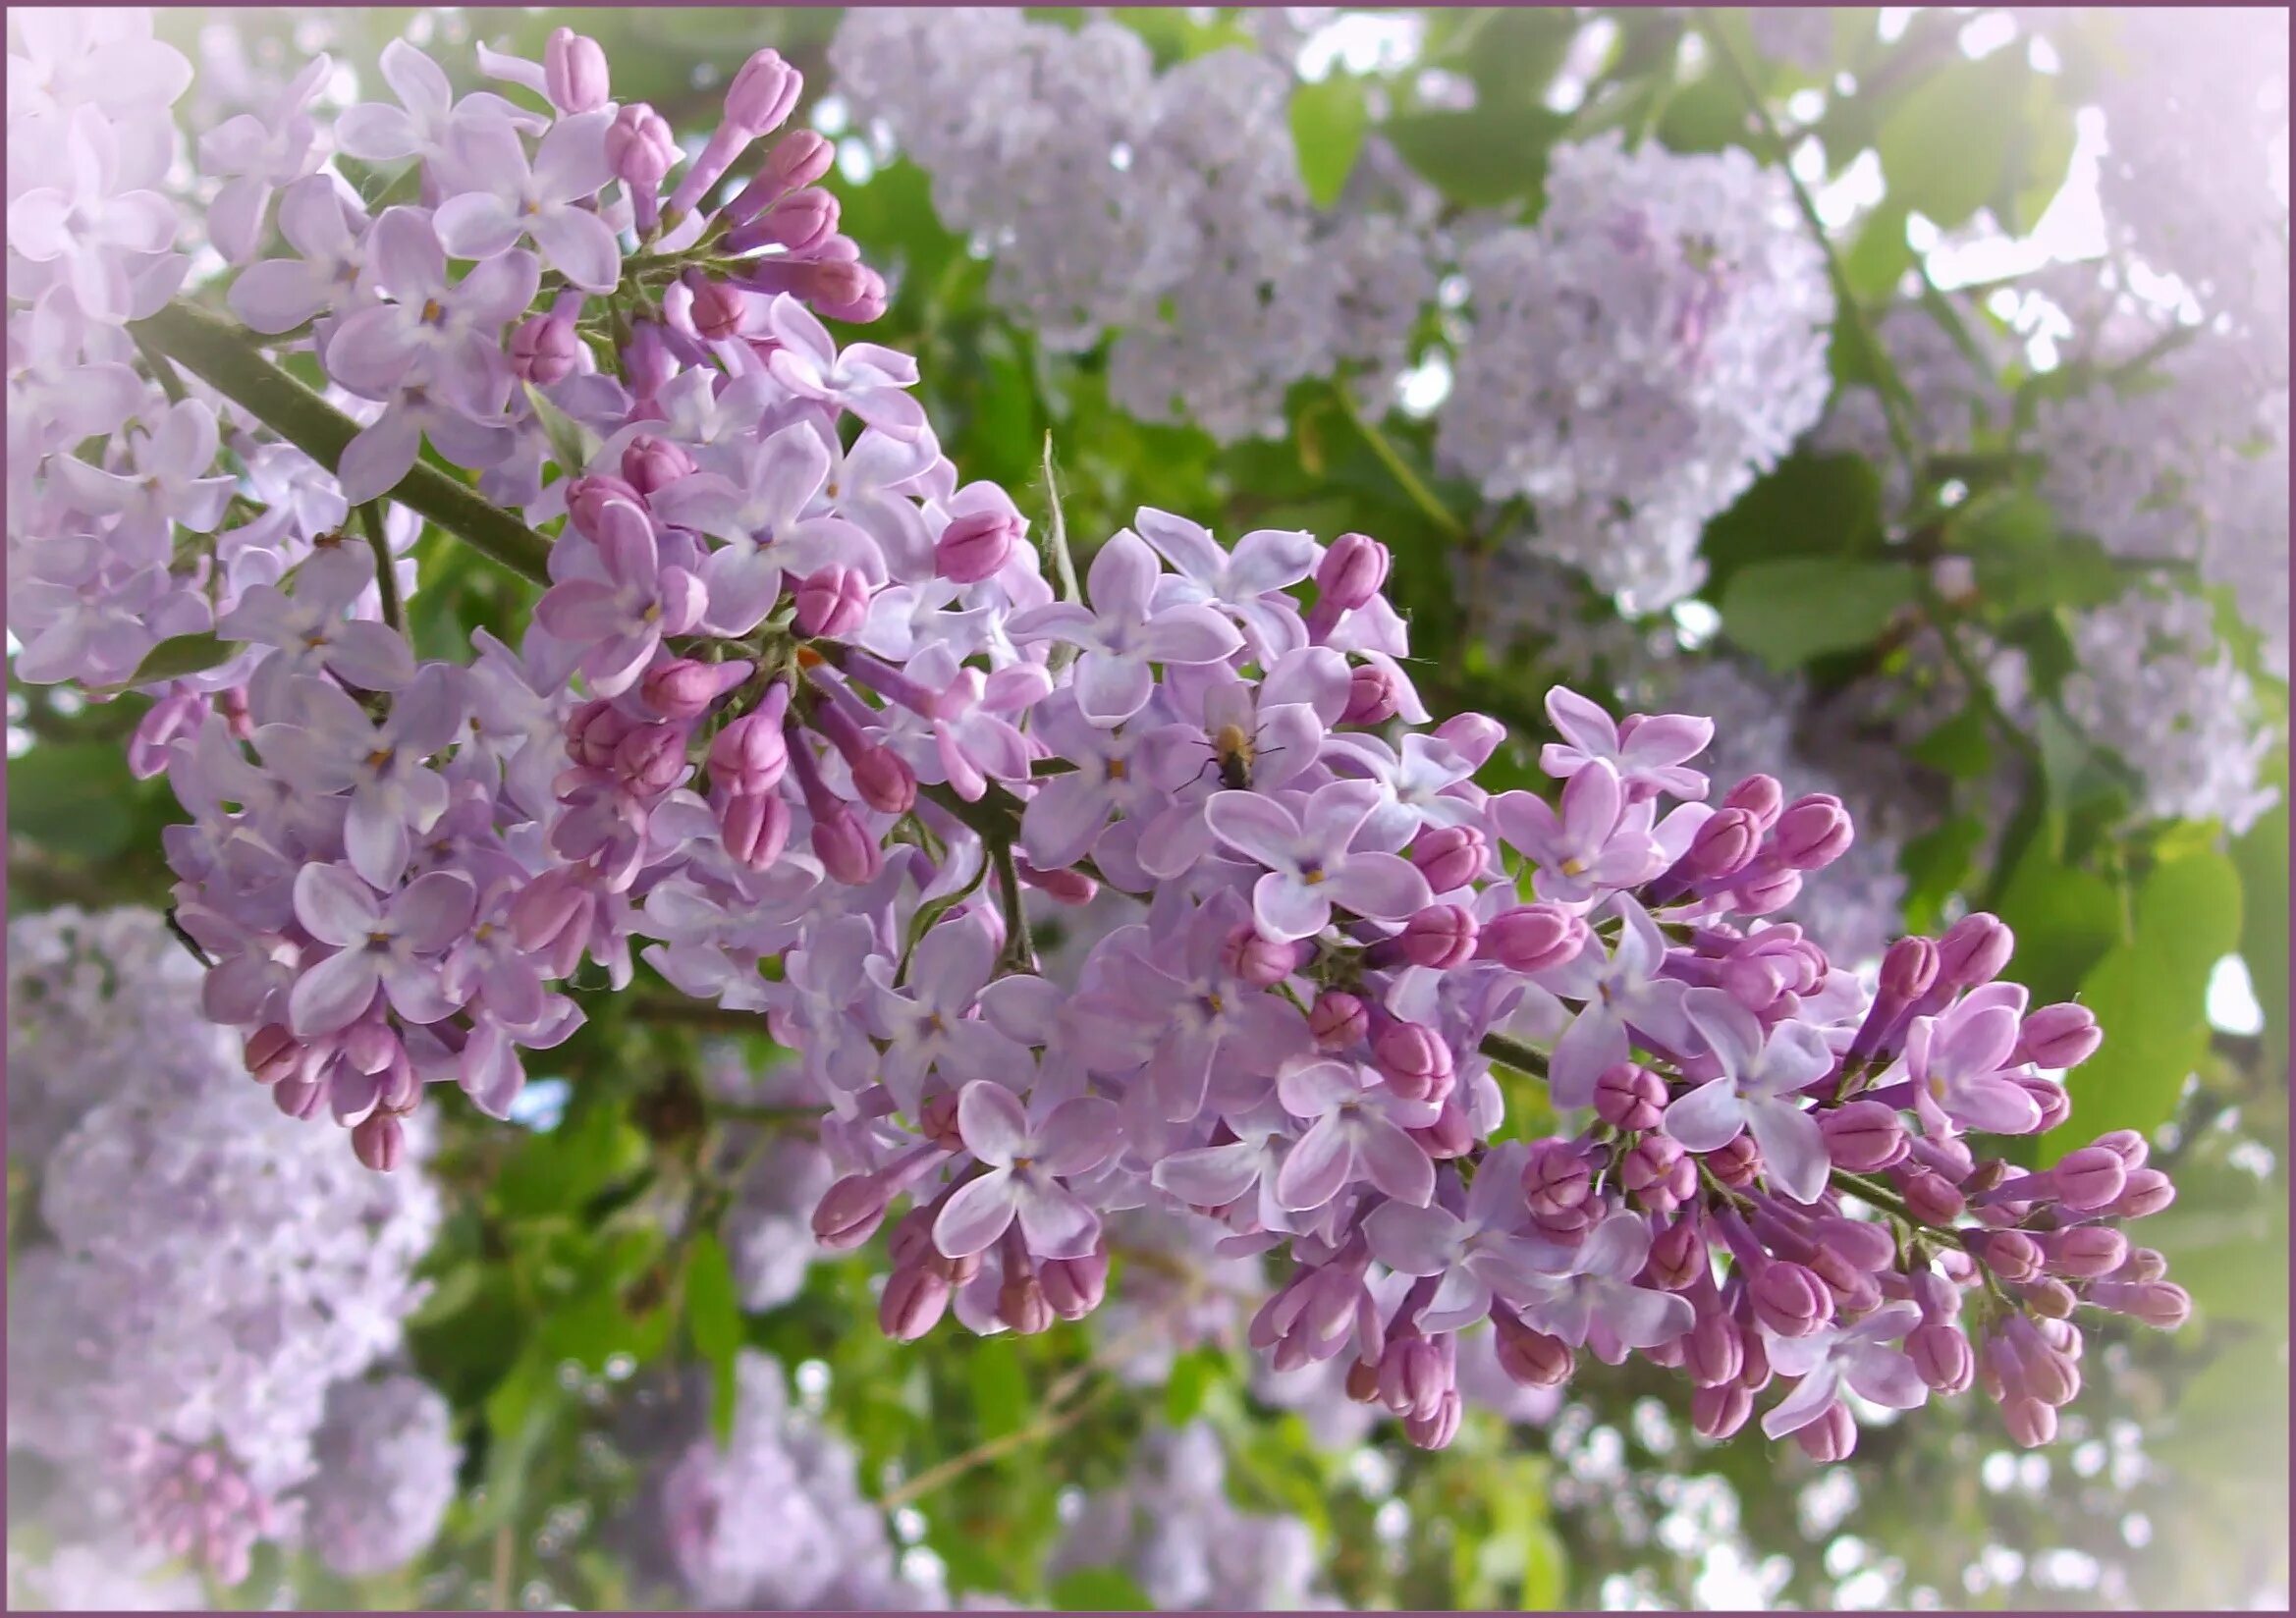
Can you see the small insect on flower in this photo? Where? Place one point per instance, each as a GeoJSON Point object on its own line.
{"type": "Point", "coordinates": [1234, 751]}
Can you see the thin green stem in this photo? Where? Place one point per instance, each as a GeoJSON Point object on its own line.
{"type": "Point", "coordinates": [1398, 468]}
{"type": "Point", "coordinates": [1019, 949]}
{"type": "Point", "coordinates": [170, 383]}
{"type": "Point", "coordinates": [370, 518]}
{"type": "Point", "coordinates": [1523, 1059]}
{"type": "Point", "coordinates": [219, 354]}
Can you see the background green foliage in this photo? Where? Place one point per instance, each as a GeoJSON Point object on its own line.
{"type": "Point", "coordinates": [582, 1250]}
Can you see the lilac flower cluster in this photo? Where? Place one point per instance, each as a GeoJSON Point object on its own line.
{"type": "Point", "coordinates": [209, 1270]}
{"type": "Point", "coordinates": [1634, 359]}
{"type": "Point", "coordinates": [802, 708]}
{"type": "Point", "coordinates": [1172, 1527]}
{"type": "Point", "coordinates": [387, 1459]}
{"type": "Point", "coordinates": [1165, 207]}
{"type": "Point", "coordinates": [771, 1520]}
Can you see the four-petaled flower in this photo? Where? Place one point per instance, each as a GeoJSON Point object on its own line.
{"type": "Point", "coordinates": [1310, 866]}
{"type": "Point", "coordinates": [1123, 633]}
{"type": "Point", "coordinates": [1857, 1356]}
{"type": "Point", "coordinates": [1758, 1091]}
{"type": "Point", "coordinates": [1026, 1157]}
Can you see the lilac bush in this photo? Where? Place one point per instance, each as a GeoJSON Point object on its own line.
{"type": "Point", "coordinates": [812, 725]}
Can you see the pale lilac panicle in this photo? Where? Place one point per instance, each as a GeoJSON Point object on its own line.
{"type": "Point", "coordinates": [1170, 1527]}
{"type": "Point", "coordinates": [387, 1460]}
{"type": "Point", "coordinates": [1634, 359]}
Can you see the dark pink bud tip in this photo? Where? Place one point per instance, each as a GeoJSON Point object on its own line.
{"type": "Point", "coordinates": [1259, 960]}
{"type": "Point", "coordinates": [849, 1211]}
{"type": "Point", "coordinates": [1339, 1020]}
{"type": "Point", "coordinates": [379, 1142]}
{"type": "Point", "coordinates": [832, 603]}
{"type": "Point", "coordinates": [1974, 950]}
{"type": "Point", "coordinates": [1760, 797]}
{"type": "Point", "coordinates": [1449, 856]}
{"type": "Point", "coordinates": [573, 71]}
{"type": "Point", "coordinates": [1791, 1300]}
{"type": "Point", "coordinates": [975, 547]}
{"type": "Point", "coordinates": [763, 92]}
{"type": "Point", "coordinates": [2059, 1035]}
{"type": "Point", "coordinates": [1629, 1097]}
{"type": "Point", "coordinates": [1863, 1137]}
{"type": "Point", "coordinates": [1372, 697]}
{"type": "Point", "coordinates": [885, 781]}
{"type": "Point", "coordinates": [914, 1300]}
{"type": "Point", "coordinates": [1531, 937]}
{"type": "Point", "coordinates": [1352, 571]}
{"type": "Point", "coordinates": [544, 350]}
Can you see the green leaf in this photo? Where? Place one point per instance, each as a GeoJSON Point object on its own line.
{"type": "Point", "coordinates": [1000, 1388]}
{"type": "Point", "coordinates": [2262, 854]}
{"type": "Point", "coordinates": [2024, 563]}
{"type": "Point", "coordinates": [1962, 746]}
{"type": "Point", "coordinates": [1097, 1590]}
{"type": "Point", "coordinates": [1483, 158]}
{"type": "Point", "coordinates": [2150, 995]}
{"type": "Point", "coordinates": [713, 1317]}
{"type": "Point", "coordinates": [2066, 918]}
{"type": "Point", "coordinates": [571, 445]}
{"type": "Point", "coordinates": [1329, 120]}
{"type": "Point", "coordinates": [1880, 256]}
{"type": "Point", "coordinates": [1794, 609]}
{"type": "Point", "coordinates": [75, 797]}
{"type": "Point", "coordinates": [559, 1172]}
{"type": "Point", "coordinates": [1190, 1383]}
{"type": "Point", "coordinates": [1936, 864]}
{"type": "Point", "coordinates": [1944, 144]}
{"type": "Point", "coordinates": [1808, 505]}
{"type": "Point", "coordinates": [180, 655]}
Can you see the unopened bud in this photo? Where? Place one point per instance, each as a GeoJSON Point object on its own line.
{"type": "Point", "coordinates": [544, 350]}
{"type": "Point", "coordinates": [1352, 571]}
{"type": "Point", "coordinates": [1372, 697]}
{"type": "Point", "coordinates": [832, 603]}
{"type": "Point", "coordinates": [379, 1142]}
{"type": "Point", "coordinates": [1630, 1098]}
{"type": "Point", "coordinates": [1531, 937]}
{"type": "Point", "coordinates": [1337, 1021]}
{"type": "Point", "coordinates": [1449, 856]}
{"type": "Point", "coordinates": [651, 464]}
{"type": "Point", "coordinates": [977, 547]}
{"type": "Point", "coordinates": [573, 71]}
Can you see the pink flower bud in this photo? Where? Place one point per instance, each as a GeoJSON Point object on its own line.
{"type": "Point", "coordinates": [2147, 1193]}
{"type": "Point", "coordinates": [1714, 1353]}
{"type": "Point", "coordinates": [1831, 1437]}
{"type": "Point", "coordinates": [844, 849]}
{"type": "Point", "coordinates": [1258, 960]}
{"type": "Point", "coordinates": [938, 1121]}
{"type": "Point", "coordinates": [1412, 1379]}
{"type": "Point", "coordinates": [1974, 950]}
{"type": "Point", "coordinates": [1449, 856]}
{"type": "Point", "coordinates": [1718, 1413]}
{"type": "Point", "coordinates": [1941, 1357]}
{"type": "Point", "coordinates": [2031, 1422]}
{"type": "Point", "coordinates": [1791, 1300]}
{"type": "Point", "coordinates": [1931, 1198]}
{"type": "Point", "coordinates": [1337, 1021]}
{"type": "Point", "coordinates": [1451, 1134]}
{"type": "Point", "coordinates": [368, 1047]}
{"type": "Point", "coordinates": [2090, 1178]}
{"type": "Point", "coordinates": [1630, 1098]}
{"type": "Point", "coordinates": [1813, 833]}
{"type": "Point", "coordinates": [682, 688]}
{"type": "Point", "coordinates": [885, 781]}
{"type": "Point", "coordinates": [914, 1300]}
{"type": "Point", "coordinates": [1760, 797]}
{"type": "Point", "coordinates": [1678, 1256]}
{"type": "Point", "coordinates": [2058, 1035]}
{"type": "Point", "coordinates": [2162, 1304]}
{"type": "Point", "coordinates": [651, 759]}
{"type": "Point", "coordinates": [1735, 1162]}
{"type": "Point", "coordinates": [1531, 937]}
{"type": "Point", "coordinates": [1441, 937]}
{"type": "Point", "coordinates": [1412, 1059]}
{"type": "Point", "coordinates": [651, 464]}
{"type": "Point", "coordinates": [1022, 1305]}
{"type": "Point", "coordinates": [1473, 736]}
{"type": "Point", "coordinates": [1768, 893]}
{"type": "Point", "coordinates": [593, 731]}
{"type": "Point", "coordinates": [573, 71]}
{"type": "Point", "coordinates": [272, 1053]}
{"type": "Point", "coordinates": [1555, 1177]}
{"type": "Point", "coordinates": [640, 148]}
{"type": "Point", "coordinates": [1531, 1358]}
{"type": "Point", "coordinates": [832, 603]}
{"type": "Point", "coordinates": [1436, 1432]}
{"type": "Point", "coordinates": [1363, 1381]}
{"type": "Point", "coordinates": [2050, 1298]}
{"type": "Point", "coordinates": [976, 546]}
{"type": "Point", "coordinates": [553, 914]}
{"type": "Point", "coordinates": [1352, 571]}
{"type": "Point", "coordinates": [589, 496]}
{"type": "Point", "coordinates": [2127, 1144]}
{"type": "Point", "coordinates": [1062, 886]}
{"type": "Point", "coordinates": [1909, 968]}
{"type": "Point", "coordinates": [750, 756]}
{"type": "Point", "coordinates": [1754, 1375]}
{"type": "Point", "coordinates": [1372, 698]}
{"type": "Point", "coordinates": [544, 349]}
{"type": "Point", "coordinates": [2048, 1095]}
{"type": "Point", "coordinates": [1074, 1287]}
{"type": "Point", "coordinates": [1651, 1163]}
{"type": "Point", "coordinates": [798, 223]}
{"type": "Point", "coordinates": [1723, 847]}
{"type": "Point", "coordinates": [1863, 1137]}
{"type": "Point", "coordinates": [379, 1142]}
{"type": "Point", "coordinates": [763, 92]}
{"type": "Point", "coordinates": [849, 1213]}
{"type": "Point", "coordinates": [2012, 1255]}
{"type": "Point", "coordinates": [718, 310]}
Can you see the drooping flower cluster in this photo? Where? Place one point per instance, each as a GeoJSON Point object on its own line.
{"type": "Point", "coordinates": [771, 1521]}
{"type": "Point", "coordinates": [1172, 1528]}
{"type": "Point", "coordinates": [387, 1460]}
{"type": "Point", "coordinates": [209, 1271]}
{"type": "Point", "coordinates": [1634, 359]}
{"type": "Point", "coordinates": [802, 708]}
{"type": "Point", "coordinates": [1166, 207]}
{"type": "Point", "coordinates": [2159, 687]}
